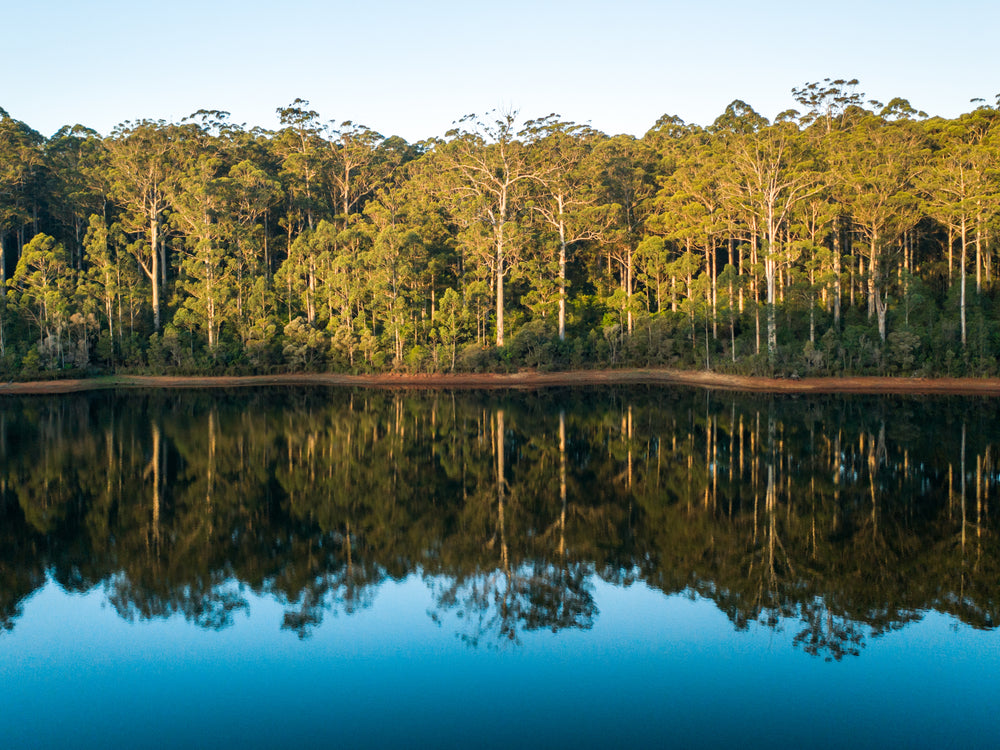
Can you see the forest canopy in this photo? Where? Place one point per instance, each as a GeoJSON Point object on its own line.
{"type": "Point", "coordinates": [846, 236]}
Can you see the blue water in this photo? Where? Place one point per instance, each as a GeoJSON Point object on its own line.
{"type": "Point", "coordinates": [654, 671]}
{"type": "Point", "coordinates": [579, 568]}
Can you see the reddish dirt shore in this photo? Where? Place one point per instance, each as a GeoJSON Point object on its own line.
{"type": "Point", "coordinates": [963, 386]}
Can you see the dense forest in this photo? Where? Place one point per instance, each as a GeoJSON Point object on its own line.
{"type": "Point", "coordinates": [838, 518]}
{"type": "Point", "coordinates": [848, 236]}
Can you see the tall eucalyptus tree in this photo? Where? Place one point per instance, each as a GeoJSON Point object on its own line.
{"type": "Point", "coordinates": [140, 159]}
{"type": "Point", "coordinates": [21, 165]}
{"type": "Point", "coordinates": [881, 161]}
{"type": "Point", "coordinates": [301, 149]}
{"type": "Point", "coordinates": [491, 176]}
{"type": "Point", "coordinates": [626, 165]}
{"type": "Point", "coordinates": [770, 175]}
{"type": "Point", "coordinates": [567, 202]}
{"type": "Point", "coordinates": [958, 186]}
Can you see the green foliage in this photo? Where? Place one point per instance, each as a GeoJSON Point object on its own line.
{"type": "Point", "coordinates": [904, 349]}
{"type": "Point", "coordinates": [477, 358]}
{"type": "Point", "coordinates": [813, 359]}
{"type": "Point", "coordinates": [533, 346]}
{"type": "Point", "coordinates": [304, 346]}
{"type": "Point", "coordinates": [826, 240]}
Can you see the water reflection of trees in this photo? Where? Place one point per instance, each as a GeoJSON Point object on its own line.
{"type": "Point", "coordinates": [840, 517]}
{"type": "Point", "coordinates": [523, 579]}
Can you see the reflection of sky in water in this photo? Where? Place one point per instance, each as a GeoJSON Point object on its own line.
{"type": "Point", "coordinates": [653, 671]}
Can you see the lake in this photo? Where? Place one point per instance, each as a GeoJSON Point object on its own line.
{"type": "Point", "coordinates": [589, 567]}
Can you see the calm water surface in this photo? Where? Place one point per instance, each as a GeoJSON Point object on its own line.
{"type": "Point", "coordinates": [588, 568]}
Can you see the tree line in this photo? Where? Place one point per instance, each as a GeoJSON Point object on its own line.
{"type": "Point", "coordinates": [842, 518]}
{"type": "Point", "coordinates": [846, 236]}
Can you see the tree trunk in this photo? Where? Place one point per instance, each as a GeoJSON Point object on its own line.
{"type": "Point", "coordinates": [500, 220]}
{"type": "Point", "coordinates": [712, 298]}
{"type": "Point", "coordinates": [109, 301]}
{"type": "Point", "coordinates": [501, 485]}
{"type": "Point", "coordinates": [881, 305]}
{"type": "Point", "coordinates": [163, 262]}
{"type": "Point", "coordinates": [739, 271]}
{"type": "Point", "coordinates": [499, 295]}
{"type": "Point", "coordinates": [154, 274]}
{"type": "Point", "coordinates": [628, 288]}
{"type": "Point", "coordinates": [311, 293]}
{"type": "Point", "coordinates": [962, 293]}
{"type": "Point", "coordinates": [562, 273]}
{"type": "Point", "coordinates": [836, 276]}
{"type": "Point", "coordinates": [756, 318]}
{"type": "Point", "coordinates": [872, 274]}
{"type": "Point", "coordinates": [210, 314]}
{"type": "Point", "coordinates": [562, 482]}
{"type": "Point", "coordinates": [347, 192]}
{"type": "Point", "coordinates": [157, 454]}
{"type": "Point", "coordinates": [770, 273]}
{"type": "Point", "coordinates": [979, 253]}
{"type": "Point", "coordinates": [951, 242]}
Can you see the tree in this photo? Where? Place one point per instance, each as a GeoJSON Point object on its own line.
{"type": "Point", "coordinates": [359, 164]}
{"type": "Point", "coordinates": [689, 207]}
{"type": "Point", "coordinates": [140, 161]}
{"type": "Point", "coordinates": [300, 146]}
{"type": "Point", "coordinates": [102, 271]}
{"type": "Point", "coordinates": [77, 157]}
{"type": "Point", "coordinates": [21, 162]}
{"type": "Point", "coordinates": [298, 274]}
{"type": "Point", "coordinates": [491, 175]}
{"type": "Point", "coordinates": [197, 201]}
{"type": "Point", "coordinates": [567, 202]}
{"type": "Point", "coordinates": [43, 282]}
{"type": "Point", "coordinates": [450, 321]}
{"type": "Point", "coordinates": [830, 103]}
{"type": "Point", "coordinates": [957, 186]}
{"type": "Point", "coordinates": [770, 175]}
{"type": "Point", "coordinates": [877, 163]}
{"type": "Point", "coordinates": [250, 192]}
{"type": "Point", "coordinates": [395, 255]}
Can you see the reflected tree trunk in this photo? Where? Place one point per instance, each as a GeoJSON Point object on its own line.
{"type": "Point", "coordinates": [629, 439]}
{"type": "Point", "coordinates": [154, 467]}
{"type": "Point", "coordinates": [562, 483]}
{"type": "Point", "coordinates": [210, 477]}
{"type": "Point", "coordinates": [961, 483]}
{"type": "Point", "coordinates": [771, 502]}
{"type": "Point", "coordinates": [501, 498]}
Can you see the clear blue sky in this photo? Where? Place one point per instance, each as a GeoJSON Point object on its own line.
{"type": "Point", "coordinates": [412, 68]}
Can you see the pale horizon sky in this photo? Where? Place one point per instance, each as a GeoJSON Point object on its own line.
{"type": "Point", "coordinates": [412, 69]}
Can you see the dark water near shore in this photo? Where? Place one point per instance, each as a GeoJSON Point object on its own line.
{"type": "Point", "coordinates": [587, 567]}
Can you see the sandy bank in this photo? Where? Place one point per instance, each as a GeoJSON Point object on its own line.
{"type": "Point", "coordinates": [964, 386]}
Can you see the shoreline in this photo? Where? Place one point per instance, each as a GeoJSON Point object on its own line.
{"type": "Point", "coordinates": [525, 380]}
